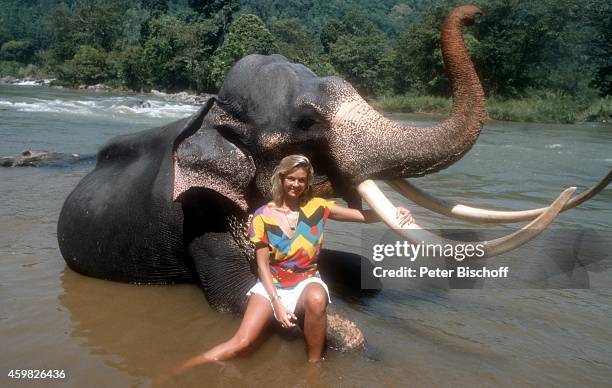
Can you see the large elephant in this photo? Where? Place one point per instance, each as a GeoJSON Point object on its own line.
{"type": "Point", "coordinates": [170, 204]}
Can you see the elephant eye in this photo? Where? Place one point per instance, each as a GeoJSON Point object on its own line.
{"type": "Point", "coordinates": [305, 123]}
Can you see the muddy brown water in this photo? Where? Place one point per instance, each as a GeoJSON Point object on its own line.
{"type": "Point", "coordinates": [103, 333]}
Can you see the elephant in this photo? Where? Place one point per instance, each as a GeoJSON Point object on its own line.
{"type": "Point", "coordinates": [171, 204]}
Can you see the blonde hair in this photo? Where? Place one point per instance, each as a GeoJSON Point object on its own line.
{"type": "Point", "coordinates": [280, 172]}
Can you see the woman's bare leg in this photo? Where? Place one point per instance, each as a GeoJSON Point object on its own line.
{"type": "Point", "coordinates": [313, 303]}
{"type": "Point", "coordinates": [256, 317]}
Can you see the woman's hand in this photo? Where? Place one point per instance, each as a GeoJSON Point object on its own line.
{"type": "Point", "coordinates": [282, 315]}
{"type": "Point", "coordinates": [403, 216]}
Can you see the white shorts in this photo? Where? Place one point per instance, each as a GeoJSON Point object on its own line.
{"type": "Point", "coordinates": [289, 296]}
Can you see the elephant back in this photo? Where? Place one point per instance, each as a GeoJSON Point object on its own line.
{"type": "Point", "coordinates": [120, 222]}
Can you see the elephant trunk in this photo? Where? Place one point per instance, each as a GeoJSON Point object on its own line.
{"type": "Point", "coordinates": [382, 149]}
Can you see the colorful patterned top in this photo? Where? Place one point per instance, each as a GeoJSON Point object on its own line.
{"type": "Point", "coordinates": [292, 259]}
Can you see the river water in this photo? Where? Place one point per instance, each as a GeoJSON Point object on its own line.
{"type": "Point", "coordinates": [103, 333]}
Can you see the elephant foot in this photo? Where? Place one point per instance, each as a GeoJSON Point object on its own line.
{"type": "Point", "coordinates": [342, 333]}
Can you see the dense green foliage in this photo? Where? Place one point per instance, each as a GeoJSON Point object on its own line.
{"type": "Point", "coordinates": [535, 50]}
{"type": "Point", "coordinates": [247, 35]}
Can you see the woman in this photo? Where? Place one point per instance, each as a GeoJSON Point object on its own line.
{"type": "Point", "coordinates": [288, 233]}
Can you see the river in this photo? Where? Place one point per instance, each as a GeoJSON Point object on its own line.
{"type": "Point", "coordinates": [103, 333]}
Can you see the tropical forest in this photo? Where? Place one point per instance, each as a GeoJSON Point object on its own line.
{"type": "Point", "coordinates": [544, 61]}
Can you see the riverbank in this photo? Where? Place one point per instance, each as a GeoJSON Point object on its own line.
{"type": "Point", "coordinates": [550, 109]}
{"type": "Point", "coordinates": [180, 97]}
{"type": "Point", "coordinates": [554, 109]}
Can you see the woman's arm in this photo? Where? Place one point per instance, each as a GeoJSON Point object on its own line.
{"type": "Point", "coordinates": [341, 213]}
{"type": "Point", "coordinates": [265, 276]}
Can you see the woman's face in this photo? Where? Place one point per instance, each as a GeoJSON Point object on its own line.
{"type": "Point", "coordinates": [295, 183]}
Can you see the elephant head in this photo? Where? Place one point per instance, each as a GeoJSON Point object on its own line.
{"type": "Point", "coordinates": [269, 107]}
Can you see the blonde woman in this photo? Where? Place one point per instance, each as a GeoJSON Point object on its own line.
{"type": "Point", "coordinates": [288, 233]}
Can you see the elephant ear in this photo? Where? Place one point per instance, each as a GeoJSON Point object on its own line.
{"type": "Point", "coordinates": [207, 159]}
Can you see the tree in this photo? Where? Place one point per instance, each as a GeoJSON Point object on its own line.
{"type": "Point", "coordinates": [175, 52]}
{"type": "Point", "coordinates": [94, 23]}
{"type": "Point", "coordinates": [417, 62]}
{"type": "Point", "coordinates": [158, 59]}
{"type": "Point", "coordinates": [247, 35]}
{"type": "Point", "coordinates": [99, 23]}
{"type": "Point", "coordinates": [598, 16]}
{"type": "Point", "coordinates": [60, 25]}
{"type": "Point", "coordinates": [358, 51]}
{"type": "Point", "coordinates": [89, 65]}
{"type": "Point", "coordinates": [363, 60]}
{"type": "Point", "coordinates": [299, 46]}
{"type": "Point", "coordinates": [292, 41]}
{"type": "Point", "coordinates": [534, 45]}
{"type": "Point", "coordinates": [353, 22]}
{"type": "Point", "coordinates": [221, 11]}
{"type": "Point", "coordinates": [5, 34]}
{"type": "Point", "coordinates": [130, 69]}
{"type": "Point", "coordinates": [16, 50]}
{"type": "Point", "coordinates": [156, 7]}
{"type": "Point", "coordinates": [517, 47]}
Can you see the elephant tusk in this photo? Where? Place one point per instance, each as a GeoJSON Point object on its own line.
{"type": "Point", "coordinates": [474, 214]}
{"type": "Point", "coordinates": [370, 192]}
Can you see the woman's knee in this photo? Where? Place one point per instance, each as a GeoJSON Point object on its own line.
{"type": "Point", "coordinates": [315, 299]}
{"type": "Point", "coordinates": [242, 342]}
